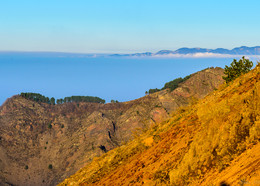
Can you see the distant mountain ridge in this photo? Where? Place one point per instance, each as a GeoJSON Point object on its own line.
{"type": "Point", "coordinates": [243, 50]}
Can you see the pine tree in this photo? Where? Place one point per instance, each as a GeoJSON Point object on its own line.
{"type": "Point", "coordinates": [237, 68]}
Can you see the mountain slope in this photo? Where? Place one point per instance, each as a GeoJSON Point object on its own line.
{"type": "Point", "coordinates": [208, 143]}
{"type": "Point", "coordinates": [43, 144]}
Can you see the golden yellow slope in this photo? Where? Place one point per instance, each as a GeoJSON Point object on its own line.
{"type": "Point", "coordinates": [245, 169]}
{"type": "Point", "coordinates": [212, 141]}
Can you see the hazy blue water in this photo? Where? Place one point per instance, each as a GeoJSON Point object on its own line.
{"type": "Point", "coordinates": [109, 78]}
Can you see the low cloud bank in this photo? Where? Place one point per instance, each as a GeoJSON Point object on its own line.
{"type": "Point", "coordinates": [204, 55]}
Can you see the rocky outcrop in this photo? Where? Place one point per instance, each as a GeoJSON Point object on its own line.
{"type": "Point", "coordinates": [42, 144]}
{"type": "Point", "coordinates": [215, 141]}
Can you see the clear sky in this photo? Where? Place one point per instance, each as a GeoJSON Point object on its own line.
{"type": "Point", "coordinates": [118, 26]}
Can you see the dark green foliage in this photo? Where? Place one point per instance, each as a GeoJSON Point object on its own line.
{"type": "Point", "coordinates": [114, 101]}
{"type": "Point", "coordinates": [59, 101]}
{"type": "Point", "coordinates": [26, 167]}
{"type": "Point", "coordinates": [52, 101]}
{"type": "Point", "coordinates": [173, 84]}
{"type": "Point", "coordinates": [153, 90]}
{"type": "Point", "coordinates": [40, 98]}
{"type": "Point", "coordinates": [49, 126]}
{"type": "Point", "coordinates": [170, 85]}
{"type": "Point", "coordinates": [237, 68]}
{"type": "Point", "coordinates": [35, 97]}
{"type": "Point", "coordinates": [77, 99]}
{"type": "Point", "coordinates": [62, 126]}
{"type": "Point", "coordinates": [50, 166]}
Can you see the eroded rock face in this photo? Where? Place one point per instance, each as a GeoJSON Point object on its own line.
{"type": "Point", "coordinates": [42, 144]}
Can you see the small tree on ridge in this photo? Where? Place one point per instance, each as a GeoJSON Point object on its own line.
{"type": "Point", "coordinates": [237, 68]}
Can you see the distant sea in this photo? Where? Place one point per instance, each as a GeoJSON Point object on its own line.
{"type": "Point", "coordinates": [117, 78]}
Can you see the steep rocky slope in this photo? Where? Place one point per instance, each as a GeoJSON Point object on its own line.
{"type": "Point", "coordinates": [212, 142]}
{"type": "Point", "coordinates": [42, 144]}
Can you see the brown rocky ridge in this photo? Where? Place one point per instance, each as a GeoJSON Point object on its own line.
{"type": "Point", "coordinates": [214, 141]}
{"type": "Point", "coordinates": [42, 144]}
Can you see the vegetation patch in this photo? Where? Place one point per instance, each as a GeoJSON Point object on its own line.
{"type": "Point", "coordinates": [37, 97]}
{"type": "Point", "coordinates": [237, 68]}
{"type": "Point", "coordinates": [172, 85]}
{"type": "Point", "coordinates": [42, 99]}
{"type": "Point", "coordinates": [77, 99]}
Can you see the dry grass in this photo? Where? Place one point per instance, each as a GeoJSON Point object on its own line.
{"type": "Point", "coordinates": [201, 139]}
{"type": "Point", "coordinates": [230, 125]}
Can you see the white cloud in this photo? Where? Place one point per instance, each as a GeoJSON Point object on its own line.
{"type": "Point", "coordinates": [197, 55]}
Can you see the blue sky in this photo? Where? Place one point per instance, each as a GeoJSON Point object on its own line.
{"type": "Point", "coordinates": [109, 26]}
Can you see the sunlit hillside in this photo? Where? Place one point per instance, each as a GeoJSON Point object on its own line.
{"type": "Point", "coordinates": [214, 140]}
{"type": "Point", "coordinates": [42, 143]}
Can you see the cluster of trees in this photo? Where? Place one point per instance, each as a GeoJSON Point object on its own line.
{"type": "Point", "coordinates": [40, 98]}
{"type": "Point", "coordinates": [171, 85]}
{"type": "Point", "coordinates": [114, 101]}
{"type": "Point", "coordinates": [80, 99]}
{"type": "Point", "coordinates": [237, 68]}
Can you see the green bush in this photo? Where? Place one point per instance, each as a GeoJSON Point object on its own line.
{"type": "Point", "coordinates": [237, 68]}
{"type": "Point", "coordinates": [78, 99]}
{"type": "Point", "coordinates": [170, 85]}
{"type": "Point", "coordinates": [42, 99]}
{"type": "Point", "coordinates": [36, 97]}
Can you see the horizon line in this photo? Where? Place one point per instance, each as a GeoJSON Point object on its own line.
{"type": "Point", "coordinates": [146, 51]}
